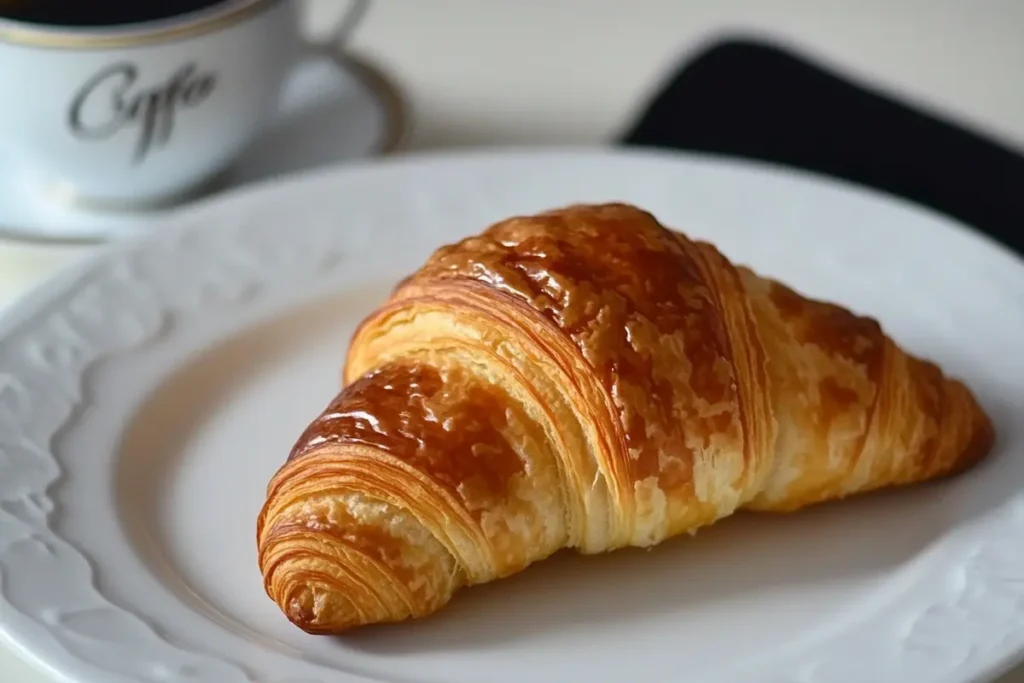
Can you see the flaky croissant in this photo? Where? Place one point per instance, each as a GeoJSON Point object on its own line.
{"type": "Point", "coordinates": [587, 379]}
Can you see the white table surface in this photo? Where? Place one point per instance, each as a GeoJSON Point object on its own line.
{"type": "Point", "coordinates": [484, 72]}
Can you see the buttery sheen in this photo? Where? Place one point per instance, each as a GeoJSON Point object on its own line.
{"type": "Point", "coordinates": [585, 378]}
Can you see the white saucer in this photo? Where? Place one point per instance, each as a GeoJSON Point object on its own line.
{"type": "Point", "coordinates": [327, 115]}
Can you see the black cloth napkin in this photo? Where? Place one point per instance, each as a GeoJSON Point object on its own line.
{"type": "Point", "coordinates": [747, 98]}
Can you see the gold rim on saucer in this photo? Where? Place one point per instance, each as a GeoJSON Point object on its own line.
{"type": "Point", "coordinates": [143, 33]}
{"type": "Point", "coordinates": [396, 109]}
{"type": "Point", "coordinates": [393, 138]}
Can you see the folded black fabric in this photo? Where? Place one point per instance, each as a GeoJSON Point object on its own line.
{"type": "Point", "coordinates": [747, 98]}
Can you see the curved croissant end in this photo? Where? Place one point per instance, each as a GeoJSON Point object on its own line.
{"type": "Point", "coordinates": [586, 379]}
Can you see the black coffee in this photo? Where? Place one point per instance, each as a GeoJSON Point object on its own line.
{"type": "Point", "coordinates": [98, 12]}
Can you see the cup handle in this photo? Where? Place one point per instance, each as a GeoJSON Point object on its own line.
{"type": "Point", "coordinates": [346, 26]}
{"type": "Point", "coordinates": [335, 48]}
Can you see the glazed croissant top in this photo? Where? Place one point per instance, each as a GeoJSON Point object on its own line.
{"type": "Point", "coordinates": [589, 379]}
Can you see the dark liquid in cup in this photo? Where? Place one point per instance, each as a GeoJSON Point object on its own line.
{"type": "Point", "coordinates": [98, 12]}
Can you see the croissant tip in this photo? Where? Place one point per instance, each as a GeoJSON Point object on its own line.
{"type": "Point", "coordinates": [982, 440]}
{"type": "Point", "coordinates": [314, 629]}
{"type": "Point", "coordinates": [299, 611]}
{"type": "Point", "coordinates": [301, 608]}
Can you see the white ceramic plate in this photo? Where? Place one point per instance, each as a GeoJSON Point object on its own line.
{"type": "Point", "coordinates": [147, 397]}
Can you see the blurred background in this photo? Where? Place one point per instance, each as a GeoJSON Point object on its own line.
{"type": "Point", "coordinates": [576, 71]}
{"type": "Point", "coordinates": [584, 72]}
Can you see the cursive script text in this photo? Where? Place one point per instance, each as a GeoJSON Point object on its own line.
{"type": "Point", "coordinates": [110, 101]}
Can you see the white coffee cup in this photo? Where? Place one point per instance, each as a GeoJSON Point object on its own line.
{"type": "Point", "coordinates": [144, 113]}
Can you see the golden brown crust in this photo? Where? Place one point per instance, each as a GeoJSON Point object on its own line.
{"type": "Point", "coordinates": [855, 412]}
{"type": "Point", "coordinates": [587, 379]}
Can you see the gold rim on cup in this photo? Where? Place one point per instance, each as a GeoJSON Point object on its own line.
{"type": "Point", "coordinates": [129, 35]}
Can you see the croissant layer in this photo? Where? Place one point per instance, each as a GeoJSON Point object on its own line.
{"type": "Point", "coordinates": [585, 378]}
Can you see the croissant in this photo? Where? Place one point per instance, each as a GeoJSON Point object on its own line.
{"type": "Point", "coordinates": [588, 379]}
